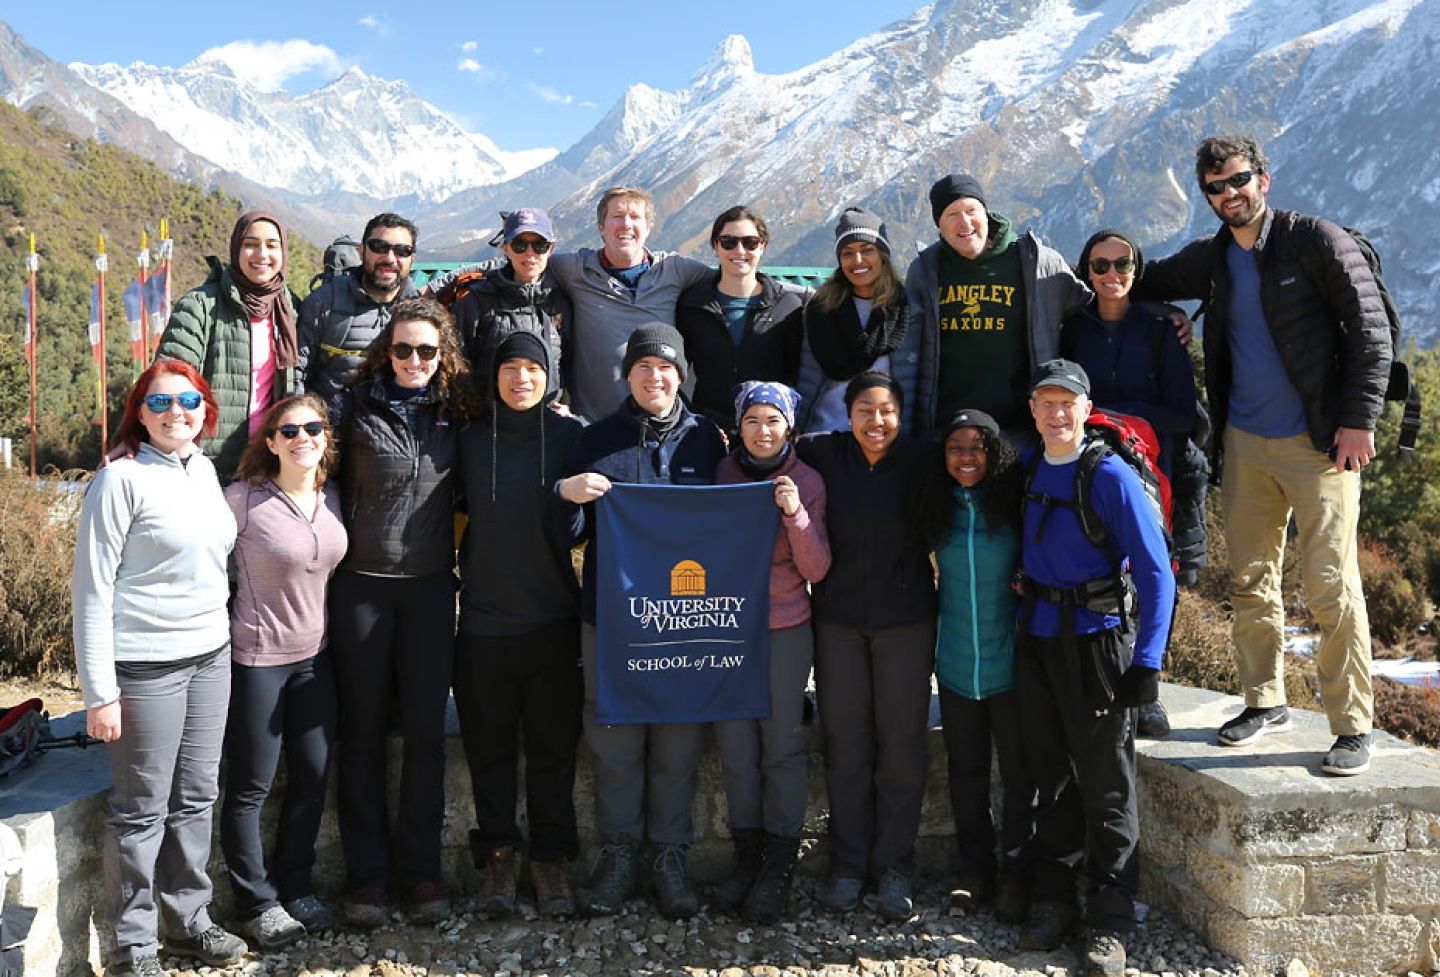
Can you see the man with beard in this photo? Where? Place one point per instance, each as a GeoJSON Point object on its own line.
{"type": "Point", "coordinates": [1297, 359]}
{"type": "Point", "coordinates": [340, 318]}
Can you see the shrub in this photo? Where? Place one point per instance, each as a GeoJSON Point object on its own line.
{"type": "Point", "coordinates": [1409, 711]}
{"type": "Point", "coordinates": [1397, 607]}
{"type": "Point", "coordinates": [37, 548]}
{"type": "Point", "coordinates": [1200, 654]}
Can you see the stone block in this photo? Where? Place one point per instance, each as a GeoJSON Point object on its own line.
{"type": "Point", "coordinates": [1423, 830]}
{"type": "Point", "coordinates": [1411, 880]}
{"type": "Point", "coordinates": [1301, 831]}
{"type": "Point", "coordinates": [1174, 793]}
{"type": "Point", "coordinates": [1249, 888]}
{"type": "Point", "coordinates": [1163, 846]}
{"type": "Point", "coordinates": [1371, 944]}
{"type": "Point", "coordinates": [1342, 886]}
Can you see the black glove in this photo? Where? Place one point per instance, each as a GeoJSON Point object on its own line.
{"type": "Point", "coordinates": [1139, 685]}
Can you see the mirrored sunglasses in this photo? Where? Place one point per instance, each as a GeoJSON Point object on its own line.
{"type": "Point", "coordinates": [161, 403]}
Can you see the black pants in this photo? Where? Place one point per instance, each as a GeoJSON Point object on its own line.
{"type": "Point", "coordinates": [290, 706]}
{"type": "Point", "coordinates": [522, 685]}
{"type": "Point", "coordinates": [873, 690]}
{"type": "Point", "coordinates": [970, 727]}
{"type": "Point", "coordinates": [1074, 733]}
{"type": "Point", "coordinates": [394, 641]}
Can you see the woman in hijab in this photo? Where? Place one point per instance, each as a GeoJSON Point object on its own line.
{"type": "Point", "coordinates": [238, 330]}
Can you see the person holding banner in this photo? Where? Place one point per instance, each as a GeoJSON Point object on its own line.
{"type": "Point", "coordinates": [151, 640]}
{"type": "Point", "coordinates": [238, 330]}
{"type": "Point", "coordinates": [282, 674]}
{"type": "Point", "coordinates": [764, 760]}
{"type": "Point", "coordinates": [644, 773]}
{"type": "Point", "coordinates": [517, 661]}
{"type": "Point", "coordinates": [874, 645]}
{"type": "Point", "coordinates": [392, 604]}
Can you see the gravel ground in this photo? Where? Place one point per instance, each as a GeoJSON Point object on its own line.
{"type": "Point", "coordinates": [641, 942]}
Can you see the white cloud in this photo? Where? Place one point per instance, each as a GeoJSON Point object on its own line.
{"type": "Point", "coordinates": [470, 64]}
{"type": "Point", "coordinates": [548, 94]}
{"type": "Point", "coordinates": [469, 46]}
{"type": "Point", "coordinates": [371, 21]}
{"type": "Point", "coordinates": [537, 50]}
{"type": "Point", "coordinates": [587, 104]}
{"type": "Point", "coordinates": [267, 65]}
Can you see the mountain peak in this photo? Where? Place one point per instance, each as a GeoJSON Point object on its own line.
{"type": "Point", "coordinates": [731, 60]}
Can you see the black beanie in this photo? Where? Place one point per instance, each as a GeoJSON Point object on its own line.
{"type": "Point", "coordinates": [522, 343]}
{"type": "Point", "coordinates": [949, 189]}
{"type": "Point", "coordinates": [969, 417]}
{"type": "Point", "coordinates": [1083, 268]}
{"type": "Point", "coordinates": [860, 225]}
{"type": "Point", "coordinates": [654, 339]}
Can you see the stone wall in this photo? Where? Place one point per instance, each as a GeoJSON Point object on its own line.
{"type": "Point", "coordinates": [1256, 850]}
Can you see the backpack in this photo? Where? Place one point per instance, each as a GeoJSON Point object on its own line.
{"type": "Point", "coordinates": [341, 255]}
{"type": "Point", "coordinates": [457, 287]}
{"type": "Point", "coordinates": [22, 728]}
{"type": "Point", "coordinates": [1401, 388]}
{"type": "Point", "coordinates": [1133, 441]}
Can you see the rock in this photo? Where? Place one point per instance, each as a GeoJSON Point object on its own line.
{"type": "Point", "coordinates": [1296, 968]}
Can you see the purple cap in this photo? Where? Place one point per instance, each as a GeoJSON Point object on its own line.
{"type": "Point", "coordinates": [528, 220]}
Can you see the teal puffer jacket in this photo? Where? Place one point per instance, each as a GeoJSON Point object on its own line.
{"type": "Point", "coordinates": [210, 330]}
{"type": "Point", "coordinates": [975, 640]}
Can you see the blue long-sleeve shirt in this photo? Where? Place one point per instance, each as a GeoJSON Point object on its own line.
{"type": "Point", "coordinates": [1062, 557]}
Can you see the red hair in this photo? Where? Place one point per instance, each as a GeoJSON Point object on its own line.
{"type": "Point", "coordinates": [131, 432]}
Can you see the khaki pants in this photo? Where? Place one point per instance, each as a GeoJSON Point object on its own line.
{"type": "Point", "coordinates": [1265, 479]}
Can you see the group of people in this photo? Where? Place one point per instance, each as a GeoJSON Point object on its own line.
{"type": "Point", "coordinates": [269, 560]}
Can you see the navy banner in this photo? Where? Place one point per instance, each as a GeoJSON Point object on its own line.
{"type": "Point", "coordinates": [683, 603]}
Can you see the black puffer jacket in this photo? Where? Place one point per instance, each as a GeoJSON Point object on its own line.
{"type": "Point", "coordinates": [769, 349]}
{"type": "Point", "coordinates": [398, 483]}
{"type": "Point", "coordinates": [1323, 309]}
{"type": "Point", "coordinates": [497, 305]}
{"type": "Point", "coordinates": [337, 322]}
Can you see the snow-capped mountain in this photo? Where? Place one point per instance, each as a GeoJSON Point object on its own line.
{"type": "Point", "coordinates": [1075, 114]}
{"type": "Point", "coordinates": [321, 143]}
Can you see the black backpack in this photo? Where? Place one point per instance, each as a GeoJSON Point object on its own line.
{"type": "Point", "coordinates": [341, 255]}
{"type": "Point", "coordinates": [1401, 388]}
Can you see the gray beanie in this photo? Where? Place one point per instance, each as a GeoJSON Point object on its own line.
{"type": "Point", "coordinates": [860, 225]}
{"type": "Point", "coordinates": [654, 339]}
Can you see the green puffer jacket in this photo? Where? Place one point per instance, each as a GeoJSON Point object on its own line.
{"type": "Point", "coordinates": [210, 330]}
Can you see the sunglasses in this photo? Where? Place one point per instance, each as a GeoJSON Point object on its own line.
{"type": "Point", "coordinates": [1100, 266]}
{"type": "Point", "coordinates": [376, 245]}
{"type": "Point", "coordinates": [1237, 180]}
{"type": "Point", "coordinates": [292, 431]}
{"type": "Point", "coordinates": [729, 242]}
{"type": "Point", "coordinates": [403, 351]}
{"type": "Point", "coordinates": [520, 246]}
{"type": "Point", "coordinates": [161, 403]}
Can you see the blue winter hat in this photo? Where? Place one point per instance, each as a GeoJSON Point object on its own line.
{"type": "Point", "coordinates": [769, 393]}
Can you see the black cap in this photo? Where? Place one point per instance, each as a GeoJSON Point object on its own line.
{"type": "Point", "coordinates": [969, 417]}
{"type": "Point", "coordinates": [1061, 373]}
{"type": "Point", "coordinates": [654, 339]}
{"type": "Point", "coordinates": [949, 189]}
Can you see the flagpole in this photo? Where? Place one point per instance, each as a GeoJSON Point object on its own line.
{"type": "Point", "coordinates": [102, 264]}
{"type": "Point", "coordinates": [167, 250]}
{"type": "Point", "coordinates": [32, 265]}
{"type": "Point", "coordinates": [143, 260]}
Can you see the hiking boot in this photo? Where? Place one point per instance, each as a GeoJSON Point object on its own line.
{"type": "Point", "coordinates": [673, 892]}
{"type": "Point", "coordinates": [502, 876]}
{"type": "Point", "coordinates": [144, 965]}
{"type": "Point", "coordinates": [769, 897]}
{"type": "Point", "coordinates": [1350, 755]}
{"type": "Point", "coordinates": [841, 893]}
{"type": "Point", "coordinates": [426, 904]}
{"type": "Point", "coordinates": [1012, 892]}
{"type": "Point", "coordinates": [1050, 922]}
{"type": "Point", "coordinates": [215, 947]}
{"type": "Point", "coordinates": [972, 890]}
{"type": "Point", "coordinates": [612, 880]}
{"type": "Point", "coordinates": [272, 929]}
{"type": "Point", "coordinates": [364, 907]}
{"type": "Point", "coordinates": [1104, 954]}
{"type": "Point", "coordinates": [553, 895]}
{"type": "Point", "coordinates": [1253, 723]}
{"type": "Point", "coordinates": [744, 869]}
{"type": "Point", "coordinates": [310, 913]}
{"type": "Point", "coordinates": [892, 899]}
{"type": "Point", "coordinates": [1154, 721]}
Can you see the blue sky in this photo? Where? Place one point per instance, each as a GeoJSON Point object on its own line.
{"type": "Point", "coordinates": [525, 74]}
